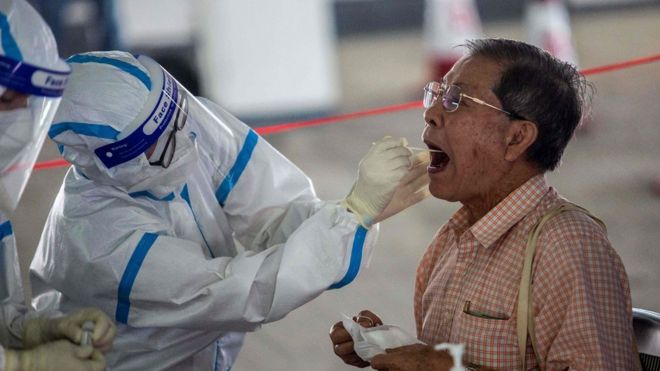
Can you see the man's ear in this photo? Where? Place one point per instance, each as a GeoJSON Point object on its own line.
{"type": "Point", "coordinates": [520, 136]}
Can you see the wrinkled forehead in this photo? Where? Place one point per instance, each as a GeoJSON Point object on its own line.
{"type": "Point", "coordinates": [474, 74]}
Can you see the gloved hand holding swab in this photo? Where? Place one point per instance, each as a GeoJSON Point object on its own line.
{"type": "Point", "coordinates": [379, 173]}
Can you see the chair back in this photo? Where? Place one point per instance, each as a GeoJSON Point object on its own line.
{"type": "Point", "coordinates": [647, 333]}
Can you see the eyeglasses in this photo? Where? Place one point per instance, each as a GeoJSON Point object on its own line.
{"type": "Point", "coordinates": [170, 146]}
{"type": "Point", "coordinates": [451, 98]}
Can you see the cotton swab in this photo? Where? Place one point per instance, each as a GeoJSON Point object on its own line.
{"type": "Point", "coordinates": [424, 149]}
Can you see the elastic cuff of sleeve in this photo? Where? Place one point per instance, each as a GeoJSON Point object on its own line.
{"type": "Point", "coordinates": [364, 221]}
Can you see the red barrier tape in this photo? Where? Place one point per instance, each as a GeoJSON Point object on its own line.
{"type": "Point", "coordinates": [51, 164]}
{"type": "Point", "coordinates": [622, 65]}
{"type": "Point", "coordinates": [280, 128]}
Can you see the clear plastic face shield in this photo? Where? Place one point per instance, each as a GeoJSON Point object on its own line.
{"type": "Point", "coordinates": [162, 131]}
{"type": "Point", "coordinates": [29, 97]}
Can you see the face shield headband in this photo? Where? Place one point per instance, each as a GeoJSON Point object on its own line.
{"type": "Point", "coordinates": [32, 80]}
{"type": "Point", "coordinates": [160, 108]}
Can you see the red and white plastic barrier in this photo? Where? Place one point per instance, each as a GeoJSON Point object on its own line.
{"type": "Point", "coordinates": [448, 23]}
{"type": "Point", "coordinates": [548, 27]}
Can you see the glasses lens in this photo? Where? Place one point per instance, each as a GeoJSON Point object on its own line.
{"type": "Point", "coordinates": [168, 153]}
{"type": "Point", "coordinates": [431, 93]}
{"type": "Point", "coordinates": [181, 114]}
{"type": "Point", "coordinates": [452, 98]}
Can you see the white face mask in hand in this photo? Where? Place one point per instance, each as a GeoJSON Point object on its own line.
{"type": "Point", "coordinates": [371, 341]}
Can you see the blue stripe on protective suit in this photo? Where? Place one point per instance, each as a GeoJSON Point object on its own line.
{"type": "Point", "coordinates": [152, 196]}
{"type": "Point", "coordinates": [217, 355]}
{"type": "Point", "coordinates": [130, 274]}
{"type": "Point", "coordinates": [5, 253]}
{"type": "Point", "coordinates": [186, 197]}
{"type": "Point", "coordinates": [91, 130]}
{"type": "Point", "coordinates": [235, 173]}
{"type": "Point", "coordinates": [356, 258]}
{"type": "Point", "coordinates": [9, 44]}
{"type": "Point", "coordinates": [127, 67]}
{"type": "Point", "coordinates": [5, 230]}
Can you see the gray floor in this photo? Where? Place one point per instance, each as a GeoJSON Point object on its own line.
{"type": "Point", "coordinates": [607, 169]}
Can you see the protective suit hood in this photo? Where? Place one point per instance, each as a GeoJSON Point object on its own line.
{"type": "Point", "coordinates": [135, 104]}
{"type": "Point", "coordinates": [27, 38]}
{"type": "Point", "coordinates": [31, 69]}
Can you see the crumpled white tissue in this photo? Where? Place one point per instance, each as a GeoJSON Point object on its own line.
{"type": "Point", "coordinates": [371, 341]}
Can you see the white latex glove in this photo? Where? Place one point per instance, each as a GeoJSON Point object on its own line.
{"type": "Point", "coordinates": [413, 188]}
{"type": "Point", "coordinates": [43, 330]}
{"type": "Point", "coordinates": [379, 173]}
{"type": "Point", "coordinates": [56, 356]}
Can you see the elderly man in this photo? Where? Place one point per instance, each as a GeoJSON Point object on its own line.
{"type": "Point", "coordinates": [499, 121]}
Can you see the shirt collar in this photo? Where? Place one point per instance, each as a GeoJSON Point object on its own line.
{"type": "Point", "coordinates": [505, 214]}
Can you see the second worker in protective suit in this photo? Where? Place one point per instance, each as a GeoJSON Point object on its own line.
{"type": "Point", "coordinates": [161, 187]}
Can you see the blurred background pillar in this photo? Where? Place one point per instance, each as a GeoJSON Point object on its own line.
{"type": "Point", "coordinates": [162, 29]}
{"type": "Point", "coordinates": [264, 60]}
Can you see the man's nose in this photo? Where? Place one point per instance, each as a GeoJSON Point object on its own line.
{"type": "Point", "coordinates": [433, 116]}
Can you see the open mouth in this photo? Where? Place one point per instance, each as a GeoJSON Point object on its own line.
{"type": "Point", "coordinates": [439, 159]}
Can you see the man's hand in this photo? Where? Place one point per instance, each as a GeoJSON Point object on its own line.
{"type": "Point", "coordinates": [343, 343]}
{"type": "Point", "coordinates": [43, 330]}
{"type": "Point", "coordinates": [416, 357]}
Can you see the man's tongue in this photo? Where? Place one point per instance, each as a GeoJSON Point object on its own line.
{"type": "Point", "coordinates": [439, 161]}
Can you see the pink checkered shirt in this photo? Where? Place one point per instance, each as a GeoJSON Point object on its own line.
{"type": "Point", "coordinates": [581, 297]}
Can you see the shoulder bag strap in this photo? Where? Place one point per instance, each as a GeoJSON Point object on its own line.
{"type": "Point", "coordinates": [525, 315]}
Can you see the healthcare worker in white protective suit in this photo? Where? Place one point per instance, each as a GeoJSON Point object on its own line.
{"type": "Point", "coordinates": [161, 184]}
{"type": "Point", "coordinates": [32, 78]}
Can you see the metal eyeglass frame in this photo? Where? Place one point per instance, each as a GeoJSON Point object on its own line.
{"type": "Point", "coordinates": [428, 91]}
{"type": "Point", "coordinates": [179, 122]}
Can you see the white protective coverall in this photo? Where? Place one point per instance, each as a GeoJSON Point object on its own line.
{"type": "Point", "coordinates": [29, 65]}
{"type": "Point", "coordinates": [156, 248]}
{"type": "Point", "coordinates": [11, 291]}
